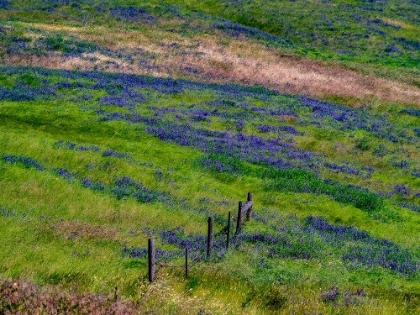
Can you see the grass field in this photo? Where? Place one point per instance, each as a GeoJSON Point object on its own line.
{"type": "Point", "coordinates": [123, 121]}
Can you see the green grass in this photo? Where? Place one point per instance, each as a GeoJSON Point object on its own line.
{"type": "Point", "coordinates": [65, 233]}
{"type": "Point", "coordinates": [50, 238]}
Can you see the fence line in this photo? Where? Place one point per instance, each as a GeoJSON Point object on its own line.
{"type": "Point", "coordinates": [244, 210]}
{"type": "Point", "coordinates": [249, 203]}
{"type": "Point", "coordinates": [239, 219]}
{"type": "Point", "coordinates": [186, 262]}
{"type": "Point", "coordinates": [210, 236]}
{"type": "Point", "coordinates": [228, 232]}
{"type": "Point", "coordinates": [151, 259]}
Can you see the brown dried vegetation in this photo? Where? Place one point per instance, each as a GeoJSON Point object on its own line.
{"type": "Point", "coordinates": [208, 58]}
{"type": "Point", "coordinates": [74, 230]}
{"type": "Point", "coordinates": [20, 297]}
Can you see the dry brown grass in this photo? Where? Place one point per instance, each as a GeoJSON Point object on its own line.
{"type": "Point", "coordinates": [238, 61]}
{"type": "Point", "coordinates": [74, 230]}
{"type": "Point", "coordinates": [21, 297]}
{"type": "Point", "coordinates": [58, 61]}
{"type": "Point", "coordinates": [398, 23]}
{"type": "Point", "coordinates": [301, 76]}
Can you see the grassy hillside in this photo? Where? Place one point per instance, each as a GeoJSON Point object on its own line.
{"type": "Point", "coordinates": [383, 33]}
{"type": "Point", "coordinates": [124, 121]}
{"type": "Point", "coordinates": [167, 40]}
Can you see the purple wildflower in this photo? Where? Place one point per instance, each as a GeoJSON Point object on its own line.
{"type": "Point", "coordinates": [331, 295]}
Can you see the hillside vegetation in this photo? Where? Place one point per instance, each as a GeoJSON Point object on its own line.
{"type": "Point", "coordinates": [122, 121]}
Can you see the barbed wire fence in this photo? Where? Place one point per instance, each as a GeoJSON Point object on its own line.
{"type": "Point", "coordinates": [244, 214]}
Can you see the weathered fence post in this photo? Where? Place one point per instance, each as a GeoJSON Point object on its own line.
{"type": "Point", "coordinates": [151, 258]}
{"type": "Point", "coordinates": [186, 262]}
{"type": "Point", "coordinates": [116, 294]}
{"type": "Point", "coordinates": [228, 232]}
{"type": "Point", "coordinates": [249, 212]}
{"type": "Point", "coordinates": [210, 236]}
{"type": "Point", "coordinates": [239, 221]}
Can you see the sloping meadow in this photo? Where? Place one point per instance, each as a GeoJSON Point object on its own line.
{"type": "Point", "coordinates": [93, 164]}
{"type": "Point", "coordinates": [343, 53]}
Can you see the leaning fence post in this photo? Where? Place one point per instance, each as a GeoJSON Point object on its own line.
{"type": "Point", "coordinates": [228, 232]}
{"type": "Point", "coordinates": [210, 236]}
{"type": "Point", "coordinates": [186, 262]}
{"type": "Point", "coordinates": [151, 259]}
{"type": "Point", "coordinates": [249, 212]}
{"type": "Point", "coordinates": [239, 220]}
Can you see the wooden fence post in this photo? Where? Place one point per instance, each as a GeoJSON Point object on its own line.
{"type": "Point", "coordinates": [151, 258]}
{"type": "Point", "coordinates": [116, 294]}
{"type": "Point", "coordinates": [249, 212]}
{"type": "Point", "coordinates": [186, 262]}
{"type": "Point", "coordinates": [210, 236]}
{"type": "Point", "coordinates": [239, 220]}
{"type": "Point", "coordinates": [228, 232]}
